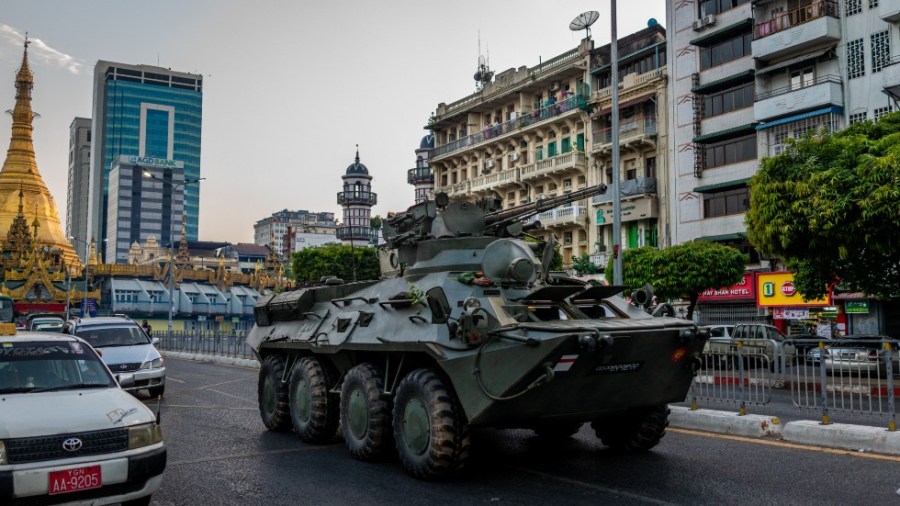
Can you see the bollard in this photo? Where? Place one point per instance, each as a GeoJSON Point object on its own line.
{"type": "Point", "coordinates": [822, 379]}
{"type": "Point", "coordinates": [889, 368]}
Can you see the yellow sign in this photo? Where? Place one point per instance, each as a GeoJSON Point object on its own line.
{"type": "Point", "coordinates": [776, 289]}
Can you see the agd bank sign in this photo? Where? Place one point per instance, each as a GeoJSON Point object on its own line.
{"type": "Point", "coordinates": [149, 161]}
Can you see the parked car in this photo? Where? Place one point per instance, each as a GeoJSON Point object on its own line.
{"type": "Point", "coordinates": [68, 432]}
{"type": "Point", "coordinates": [125, 347]}
{"type": "Point", "coordinates": [761, 345]}
{"type": "Point", "coordinates": [44, 321]}
{"type": "Point", "coordinates": [860, 354]}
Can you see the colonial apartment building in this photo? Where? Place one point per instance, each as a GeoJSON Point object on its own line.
{"type": "Point", "coordinates": [538, 132]}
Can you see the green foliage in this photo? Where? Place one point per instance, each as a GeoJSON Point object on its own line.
{"type": "Point", "coordinates": [682, 271]}
{"type": "Point", "coordinates": [583, 265]}
{"type": "Point", "coordinates": [829, 206]}
{"type": "Point", "coordinates": [375, 222]}
{"type": "Point", "coordinates": [311, 264]}
{"type": "Point", "coordinates": [557, 263]}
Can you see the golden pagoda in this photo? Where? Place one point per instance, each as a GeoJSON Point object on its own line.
{"type": "Point", "coordinates": [21, 185]}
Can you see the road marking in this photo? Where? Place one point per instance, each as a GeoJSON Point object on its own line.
{"type": "Point", "coordinates": [206, 387]}
{"type": "Point", "coordinates": [252, 401]}
{"type": "Point", "coordinates": [785, 444]}
{"type": "Point", "coordinates": [254, 454]}
{"type": "Point", "coordinates": [593, 486]}
{"type": "Point", "coordinates": [169, 378]}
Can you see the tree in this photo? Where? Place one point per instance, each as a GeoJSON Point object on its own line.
{"type": "Point", "coordinates": [311, 264]}
{"type": "Point", "coordinates": [829, 207]}
{"type": "Point", "coordinates": [682, 271]}
{"type": "Point", "coordinates": [583, 265]}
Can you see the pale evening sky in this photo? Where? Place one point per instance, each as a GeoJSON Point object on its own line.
{"type": "Point", "coordinates": [290, 87]}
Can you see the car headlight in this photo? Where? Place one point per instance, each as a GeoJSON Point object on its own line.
{"type": "Point", "coordinates": [155, 364]}
{"type": "Point", "coordinates": [144, 435]}
{"type": "Point", "coordinates": [3, 459]}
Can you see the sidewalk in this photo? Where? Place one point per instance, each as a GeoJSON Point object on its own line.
{"type": "Point", "coordinates": [809, 432]}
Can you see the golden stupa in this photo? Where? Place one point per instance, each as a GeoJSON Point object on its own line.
{"type": "Point", "coordinates": [20, 174]}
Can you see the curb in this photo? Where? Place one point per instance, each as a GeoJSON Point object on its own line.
{"type": "Point", "coordinates": [215, 359]}
{"type": "Point", "coordinates": [725, 422]}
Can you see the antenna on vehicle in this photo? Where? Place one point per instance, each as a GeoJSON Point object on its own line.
{"type": "Point", "coordinates": [584, 21]}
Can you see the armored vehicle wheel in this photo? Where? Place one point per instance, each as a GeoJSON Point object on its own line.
{"type": "Point", "coordinates": [366, 413]}
{"type": "Point", "coordinates": [273, 394]}
{"type": "Point", "coordinates": [314, 413]}
{"type": "Point", "coordinates": [156, 391]}
{"type": "Point", "coordinates": [637, 431]}
{"type": "Point", "coordinates": [557, 430]}
{"type": "Point", "coordinates": [429, 426]}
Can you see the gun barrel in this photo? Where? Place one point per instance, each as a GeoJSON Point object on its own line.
{"type": "Point", "coordinates": [526, 211]}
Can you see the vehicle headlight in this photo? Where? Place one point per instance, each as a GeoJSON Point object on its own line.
{"type": "Point", "coordinates": [3, 459]}
{"type": "Point", "coordinates": [155, 364]}
{"type": "Point", "coordinates": [144, 435]}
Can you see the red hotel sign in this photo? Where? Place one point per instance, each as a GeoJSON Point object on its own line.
{"type": "Point", "coordinates": [743, 290]}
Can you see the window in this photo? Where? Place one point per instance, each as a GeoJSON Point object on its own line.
{"type": "Point", "coordinates": [725, 51]}
{"type": "Point", "coordinates": [717, 6]}
{"type": "Point", "coordinates": [853, 7]}
{"type": "Point", "coordinates": [857, 117]}
{"type": "Point", "coordinates": [881, 111]}
{"type": "Point", "coordinates": [881, 50]}
{"type": "Point", "coordinates": [802, 78]}
{"type": "Point", "coordinates": [731, 151]}
{"type": "Point", "coordinates": [726, 203]}
{"type": "Point", "coordinates": [729, 100]}
{"type": "Point", "coordinates": [650, 167]}
{"type": "Point", "coordinates": [856, 65]}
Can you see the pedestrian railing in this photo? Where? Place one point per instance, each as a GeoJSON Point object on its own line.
{"type": "Point", "coordinates": [232, 345]}
{"type": "Point", "coordinates": [855, 376]}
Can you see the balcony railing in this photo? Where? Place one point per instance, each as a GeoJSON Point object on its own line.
{"type": "Point", "coordinates": [629, 188]}
{"type": "Point", "coordinates": [562, 216]}
{"type": "Point", "coordinates": [419, 175]}
{"type": "Point", "coordinates": [571, 160]}
{"type": "Point", "coordinates": [794, 87]}
{"type": "Point", "coordinates": [489, 181]}
{"type": "Point", "coordinates": [522, 121]}
{"type": "Point", "coordinates": [638, 125]}
{"type": "Point", "coordinates": [786, 20]}
{"type": "Point", "coordinates": [367, 198]}
{"type": "Point", "coordinates": [355, 232]}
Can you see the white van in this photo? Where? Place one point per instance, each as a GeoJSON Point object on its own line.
{"type": "Point", "coordinates": [68, 431]}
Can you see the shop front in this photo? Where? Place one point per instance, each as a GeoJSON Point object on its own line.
{"type": "Point", "coordinates": [729, 306]}
{"type": "Point", "coordinates": [793, 314]}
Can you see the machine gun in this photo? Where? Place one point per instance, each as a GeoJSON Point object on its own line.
{"type": "Point", "coordinates": [497, 221]}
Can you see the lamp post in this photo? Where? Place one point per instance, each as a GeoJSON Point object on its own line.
{"type": "Point", "coordinates": [174, 187]}
{"type": "Point", "coordinates": [616, 198]}
{"type": "Point", "coordinates": [87, 253]}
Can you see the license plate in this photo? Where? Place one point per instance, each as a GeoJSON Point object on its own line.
{"type": "Point", "coordinates": [73, 480]}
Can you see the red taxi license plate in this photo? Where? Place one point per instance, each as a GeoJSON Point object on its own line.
{"type": "Point", "coordinates": [73, 480]}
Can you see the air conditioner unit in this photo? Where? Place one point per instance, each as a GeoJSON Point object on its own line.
{"type": "Point", "coordinates": [541, 196]}
{"type": "Point", "coordinates": [709, 20]}
{"type": "Point", "coordinates": [514, 157]}
{"type": "Point", "coordinates": [698, 24]}
{"type": "Point", "coordinates": [554, 86]}
{"type": "Point", "coordinates": [489, 164]}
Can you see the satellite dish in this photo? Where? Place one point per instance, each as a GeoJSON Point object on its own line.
{"type": "Point", "coordinates": [584, 21]}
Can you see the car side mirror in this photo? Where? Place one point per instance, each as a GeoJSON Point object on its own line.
{"type": "Point", "coordinates": [438, 304]}
{"type": "Point", "coordinates": [125, 380]}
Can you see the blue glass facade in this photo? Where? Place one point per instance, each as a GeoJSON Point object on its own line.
{"type": "Point", "coordinates": [164, 120]}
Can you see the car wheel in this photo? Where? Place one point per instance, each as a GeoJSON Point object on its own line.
{"type": "Point", "coordinates": [638, 430]}
{"type": "Point", "coordinates": [314, 412]}
{"type": "Point", "coordinates": [157, 391]}
{"type": "Point", "coordinates": [366, 413]}
{"type": "Point", "coordinates": [272, 392]}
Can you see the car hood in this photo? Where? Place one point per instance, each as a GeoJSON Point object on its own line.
{"type": "Point", "coordinates": [138, 353]}
{"type": "Point", "coordinates": [68, 411]}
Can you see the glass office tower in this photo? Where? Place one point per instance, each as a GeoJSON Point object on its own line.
{"type": "Point", "coordinates": [148, 112]}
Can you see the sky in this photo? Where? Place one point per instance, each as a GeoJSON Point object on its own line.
{"type": "Point", "coordinates": [291, 87]}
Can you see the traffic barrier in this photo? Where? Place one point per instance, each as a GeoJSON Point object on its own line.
{"type": "Point", "coordinates": [232, 345]}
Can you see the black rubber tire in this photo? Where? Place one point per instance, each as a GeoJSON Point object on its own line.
{"type": "Point", "coordinates": [639, 430]}
{"type": "Point", "coordinates": [557, 430]}
{"type": "Point", "coordinates": [274, 410]}
{"type": "Point", "coordinates": [156, 391]}
{"type": "Point", "coordinates": [444, 452]}
{"type": "Point", "coordinates": [317, 421]}
{"type": "Point", "coordinates": [376, 441]}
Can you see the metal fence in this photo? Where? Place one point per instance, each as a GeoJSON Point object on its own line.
{"type": "Point", "coordinates": [857, 376]}
{"type": "Point", "coordinates": [202, 342]}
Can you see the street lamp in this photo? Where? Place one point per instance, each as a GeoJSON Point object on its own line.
{"type": "Point", "coordinates": [616, 198]}
{"type": "Point", "coordinates": [174, 187]}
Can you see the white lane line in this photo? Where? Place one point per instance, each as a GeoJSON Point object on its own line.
{"type": "Point", "coordinates": [169, 378]}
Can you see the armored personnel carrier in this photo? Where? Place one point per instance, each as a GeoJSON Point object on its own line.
{"type": "Point", "coordinates": [467, 328]}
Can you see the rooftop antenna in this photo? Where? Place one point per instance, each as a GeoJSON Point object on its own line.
{"type": "Point", "coordinates": [484, 74]}
{"type": "Point", "coordinates": [584, 21]}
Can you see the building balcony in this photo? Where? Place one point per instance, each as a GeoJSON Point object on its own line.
{"type": "Point", "coordinates": [456, 189]}
{"type": "Point", "coordinates": [820, 92]}
{"type": "Point", "coordinates": [629, 188]}
{"type": "Point", "coordinates": [350, 197]}
{"type": "Point", "coordinates": [639, 131]}
{"type": "Point", "coordinates": [358, 233]}
{"type": "Point", "coordinates": [889, 10]}
{"type": "Point", "coordinates": [519, 123]}
{"type": "Point", "coordinates": [563, 217]}
{"type": "Point", "coordinates": [572, 161]}
{"type": "Point", "coordinates": [420, 175]}
{"type": "Point", "coordinates": [890, 78]}
{"type": "Point", "coordinates": [796, 31]}
{"type": "Point", "coordinates": [489, 182]}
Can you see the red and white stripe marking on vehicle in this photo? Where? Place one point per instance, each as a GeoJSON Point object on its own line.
{"type": "Point", "coordinates": [565, 363]}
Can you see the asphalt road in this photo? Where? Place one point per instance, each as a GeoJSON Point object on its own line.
{"type": "Point", "coordinates": [220, 453]}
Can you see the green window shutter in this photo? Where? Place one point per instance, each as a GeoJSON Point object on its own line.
{"type": "Point", "coordinates": [539, 153]}
{"type": "Point", "coordinates": [566, 145]}
{"type": "Point", "coordinates": [579, 142]}
{"type": "Point", "coordinates": [633, 235]}
{"type": "Point", "coordinates": [551, 149]}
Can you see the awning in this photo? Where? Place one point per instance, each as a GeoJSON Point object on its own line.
{"type": "Point", "coordinates": [797, 117]}
{"type": "Point", "coordinates": [727, 185]}
{"type": "Point", "coordinates": [723, 237]}
{"type": "Point", "coordinates": [622, 105]}
{"type": "Point", "coordinates": [724, 134]}
{"type": "Point", "coordinates": [725, 82]}
{"type": "Point", "coordinates": [792, 61]}
{"type": "Point", "coordinates": [722, 33]}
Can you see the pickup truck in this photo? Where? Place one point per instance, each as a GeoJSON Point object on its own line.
{"type": "Point", "coordinates": [762, 345]}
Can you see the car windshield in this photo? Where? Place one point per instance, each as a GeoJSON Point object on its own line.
{"type": "Point", "coordinates": [100, 337]}
{"type": "Point", "coordinates": [47, 365]}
